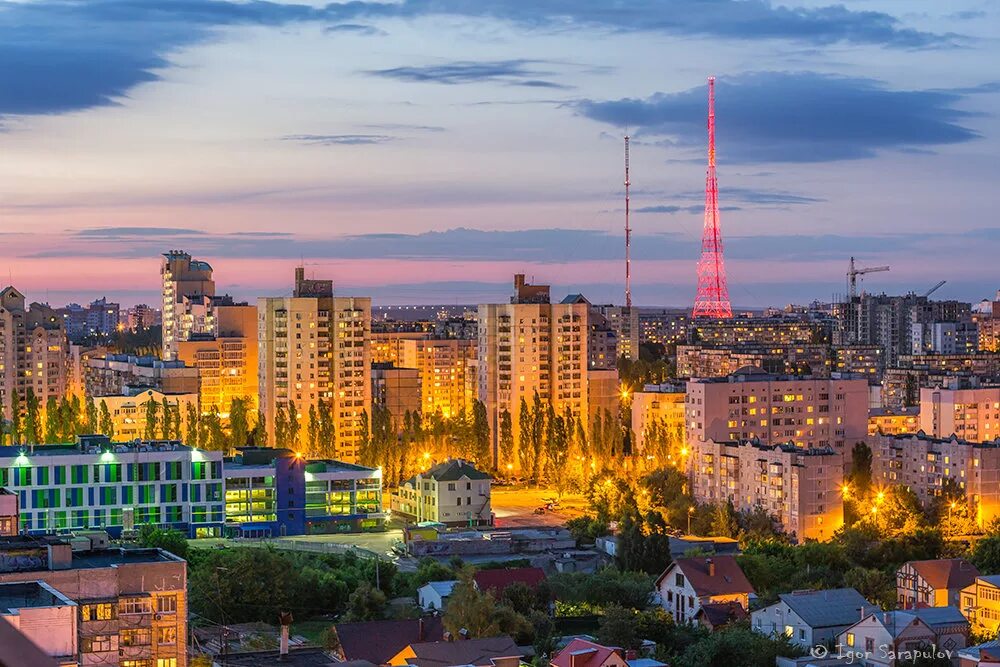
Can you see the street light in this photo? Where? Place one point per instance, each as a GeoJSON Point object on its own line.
{"type": "Point", "coordinates": [690, 514]}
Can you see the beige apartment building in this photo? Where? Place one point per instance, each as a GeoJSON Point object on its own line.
{"type": "Point", "coordinates": [226, 359]}
{"type": "Point", "coordinates": [799, 486]}
{"type": "Point", "coordinates": [658, 412]}
{"type": "Point", "coordinates": [970, 414]}
{"type": "Point", "coordinates": [444, 365]}
{"type": "Point", "coordinates": [131, 604]}
{"type": "Point", "coordinates": [185, 281]}
{"type": "Point", "coordinates": [387, 346]}
{"type": "Point", "coordinates": [807, 412]}
{"type": "Point", "coordinates": [315, 347]}
{"type": "Point", "coordinates": [624, 321]}
{"type": "Point", "coordinates": [34, 352]}
{"type": "Point", "coordinates": [452, 492]}
{"type": "Point", "coordinates": [531, 345]}
{"type": "Point", "coordinates": [128, 411]}
{"type": "Point", "coordinates": [694, 361]}
{"type": "Point", "coordinates": [923, 463]}
{"type": "Point", "coordinates": [115, 373]}
{"type": "Point", "coordinates": [398, 390]}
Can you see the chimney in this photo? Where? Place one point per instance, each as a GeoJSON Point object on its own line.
{"type": "Point", "coordinates": [711, 566]}
{"type": "Point", "coordinates": [285, 618]}
{"type": "Point", "coordinates": [420, 629]}
{"type": "Point", "coordinates": [300, 274]}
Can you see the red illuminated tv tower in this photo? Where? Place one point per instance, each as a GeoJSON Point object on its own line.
{"type": "Point", "coordinates": [628, 236]}
{"type": "Point", "coordinates": [712, 299]}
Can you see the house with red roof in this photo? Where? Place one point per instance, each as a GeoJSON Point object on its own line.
{"type": "Point", "coordinates": [497, 581]}
{"type": "Point", "coordinates": [933, 583]}
{"type": "Point", "coordinates": [690, 583]}
{"type": "Point", "coordinates": [584, 653]}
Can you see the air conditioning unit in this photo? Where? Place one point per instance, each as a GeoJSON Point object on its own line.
{"type": "Point", "coordinates": [158, 617]}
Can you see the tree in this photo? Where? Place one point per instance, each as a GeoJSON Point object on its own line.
{"type": "Point", "coordinates": [16, 432]}
{"type": "Point", "coordinates": [327, 429]}
{"type": "Point", "coordinates": [104, 422]}
{"type": "Point", "coordinates": [861, 469]}
{"type": "Point", "coordinates": [986, 553]}
{"type": "Point", "coordinates": [213, 435]}
{"type": "Point", "coordinates": [52, 427]}
{"type": "Point", "coordinates": [365, 449]}
{"type": "Point", "coordinates": [366, 603]}
{"type": "Point", "coordinates": [294, 426]}
{"type": "Point", "coordinates": [724, 520]}
{"type": "Point", "coordinates": [470, 609]}
{"type": "Point", "coordinates": [168, 539]}
{"type": "Point", "coordinates": [239, 422]}
{"type": "Point", "coordinates": [506, 439]}
{"type": "Point", "coordinates": [312, 432]}
{"type": "Point", "coordinates": [167, 429]}
{"type": "Point", "coordinates": [259, 433]}
{"type": "Point", "coordinates": [92, 425]}
{"type": "Point", "coordinates": [481, 436]}
{"type": "Point", "coordinates": [524, 449]}
{"type": "Point", "coordinates": [32, 418]}
{"type": "Point", "coordinates": [152, 419]}
{"type": "Point", "coordinates": [618, 628]}
{"type": "Point", "coordinates": [281, 427]}
{"type": "Point", "coordinates": [737, 645]}
{"type": "Point", "coordinates": [192, 428]}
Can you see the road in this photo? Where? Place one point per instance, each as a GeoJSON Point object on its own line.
{"type": "Point", "coordinates": [515, 507]}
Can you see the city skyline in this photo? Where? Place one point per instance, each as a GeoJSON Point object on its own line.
{"type": "Point", "coordinates": [424, 153]}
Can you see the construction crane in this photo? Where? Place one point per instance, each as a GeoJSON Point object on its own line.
{"type": "Point", "coordinates": [934, 289]}
{"type": "Point", "coordinates": [854, 272]}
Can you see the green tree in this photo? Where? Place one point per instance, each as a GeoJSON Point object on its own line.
{"type": "Point", "coordinates": [724, 520]}
{"type": "Point", "coordinates": [294, 426]}
{"type": "Point", "coordinates": [167, 428]}
{"type": "Point", "coordinates": [32, 418]}
{"type": "Point", "coordinates": [506, 439]}
{"type": "Point", "coordinates": [168, 539]}
{"type": "Point", "coordinates": [366, 452]}
{"type": "Point", "coordinates": [481, 450]}
{"type": "Point", "coordinates": [312, 432]}
{"type": "Point", "coordinates": [239, 422]}
{"type": "Point", "coordinates": [366, 603]}
{"type": "Point", "coordinates": [986, 553]}
{"type": "Point", "coordinates": [152, 419]}
{"type": "Point", "coordinates": [16, 425]}
{"type": "Point", "coordinates": [52, 426]}
{"type": "Point", "coordinates": [327, 429]}
{"type": "Point", "coordinates": [214, 436]}
{"type": "Point", "coordinates": [861, 470]}
{"type": "Point", "coordinates": [105, 425]}
{"type": "Point", "coordinates": [259, 434]}
{"type": "Point", "coordinates": [470, 609]}
{"type": "Point", "coordinates": [737, 645]}
{"type": "Point", "coordinates": [281, 427]}
{"type": "Point", "coordinates": [192, 429]}
{"type": "Point", "coordinates": [525, 451]}
{"type": "Point", "coordinates": [91, 416]}
{"type": "Point", "coordinates": [618, 628]}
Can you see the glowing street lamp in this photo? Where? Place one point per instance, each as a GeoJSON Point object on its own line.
{"type": "Point", "coordinates": [690, 514]}
{"type": "Point", "coordinates": [845, 490]}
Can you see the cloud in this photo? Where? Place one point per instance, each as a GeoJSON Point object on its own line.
{"type": "Point", "coordinates": [794, 117]}
{"type": "Point", "coordinates": [63, 55]}
{"type": "Point", "coordinates": [403, 127]}
{"type": "Point", "coordinates": [135, 232]}
{"type": "Point", "coordinates": [518, 72]}
{"type": "Point", "coordinates": [339, 139]}
{"type": "Point", "coordinates": [356, 28]}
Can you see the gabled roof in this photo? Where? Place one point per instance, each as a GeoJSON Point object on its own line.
{"type": "Point", "coordinates": [442, 588]}
{"type": "Point", "coordinates": [377, 641]}
{"type": "Point", "coordinates": [949, 573]}
{"type": "Point", "coordinates": [720, 613]}
{"type": "Point", "coordinates": [587, 654]}
{"type": "Point", "coordinates": [449, 471]}
{"type": "Point", "coordinates": [496, 581]}
{"type": "Point", "coordinates": [480, 652]}
{"type": "Point", "coordinates": [828, 609]}
{"type": "Point", "coordinates": [935, 618]}
{"type": "Point", "coordinates": [727, 580]}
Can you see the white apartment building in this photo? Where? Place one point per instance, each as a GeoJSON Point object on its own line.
{"type": "Point", "coordinates": [185, 281]}
{"type": "Point", "coordinates": [454, 493]}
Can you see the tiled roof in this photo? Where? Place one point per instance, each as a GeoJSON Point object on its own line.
{"type": "Point", "coordinates": [587, 654]}
{"type": "Point", "coordinates": [496, 581]}
{"type": "Point", "coordinates": [829, 608]}
{"type": "Point", "coordinates": [479, 652]}
{"type": "Point", "coordinates": [721, 613]}
{"type": "Point", "coordinates": [377, 641]}
{"type": "Point", "coordinates": [728, 578]}
{"type": "Point", "coordinates": [947, 573]}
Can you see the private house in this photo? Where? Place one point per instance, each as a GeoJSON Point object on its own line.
{"type": "Point", "coordinates": [809, 618]}
{"type": "Point", "coordinates": [689, 583]}
{"type": "Point", "coordinates": [981, 603]}
{"type": "Point", "coordinates": [433, 595]}
{"type": "Point", "coordinates": [487, 652]}
{"type": "Point", "coordinates": [933, 583]}
{"type": "Point", "coordinates": [583, 653]}
{"type": "Point", "coordinates": [879, 637]}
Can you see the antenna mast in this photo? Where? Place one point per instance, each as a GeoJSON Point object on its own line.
{"type": "Point", "coordinates": [628, 236]}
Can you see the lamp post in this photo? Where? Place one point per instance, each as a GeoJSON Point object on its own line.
{"type": "Point", "coordinates": [690, 514]}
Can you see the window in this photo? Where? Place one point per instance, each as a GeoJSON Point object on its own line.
{"type": "Point", "coordinates": [166, 604]}
{"type": "Point", "coordinates": [166, 662]}
{"type": "Point", "coordinates": [135, 637]}
{"type": "Point", "coordinates": [95, 644]}
{"type": "Point", "coordinates": [802, 633]}
{"type": "Point", "coordinates": [167, 635]}
{"type": "Point", "coordinates": [135, 606]}
{"type": "Point", "coordinates": [869, 645]}
{"type": "Point", "coordinates": [789, 631]}
{"type": "Point", "coordinates": [103, 611]}
{"type": "Point", "coordinates": [850, 639]}
{"type": "Point", "coordinates": [144, 662]}
{"type": "Point", "coordinates": [678, 580]}
{"type": "Point", "coordinates": [451, 486]}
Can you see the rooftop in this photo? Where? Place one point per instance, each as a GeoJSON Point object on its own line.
{"type": "Point", "coordinates": [828, 608]}
{"type": "Point", "coordinates": [479, 652]}
{"type": "Point", "coordinates": [452, 470]}
{"type": "Point", "coordinates": [497, 580]}
{"type": "Point", "coordinates": [952, 439]}
{"type": "Point", "coordinates": [92, 444]}
{"type": "Point", "coordinates": [378, 641]}
{"type": "Point", "coordinates": [788, 447]}
{"type": "Point", "coordinates": [947, 573]}
{"type": "Point", "coordinates": [27, 594]}
{"type": "Point", "coordinates": [717, 575]}
{"type": "Point", "coordinates": [582, 653]}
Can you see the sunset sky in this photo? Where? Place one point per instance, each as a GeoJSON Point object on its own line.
{"type": "Point", "coordinates": [422, 151]}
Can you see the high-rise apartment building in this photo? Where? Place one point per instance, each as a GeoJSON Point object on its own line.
{"type": "Point", "coordinates": [808, 412]}
{"type": "Point", "coordinates": [226, 359]}
{"type": "Point", "coordinates": [971, 414]}
{"type": "Point", "coordinates": [444, 365]}
{"type": "Point", "coordinates": [183, 278]}
{"type": "Point", "coordinates": [34, 352]}
{"type": "Point", "coordinates": [116, 374]}
{"type": "Point", "coordinates": [799, 486]}
{"type": "Point", "coordinates": [532, 346]}
{"type": "Point", "coordinates": [131, 604]}
{"type": "Point", "coordinates": [658, 421]}
{"type": "Point", "coordinates": [624, 321]}
{"type": "Point", "coordinates": [781, 359]}
{"type": "Point", "coordinates": [398, 390]}
{"type": "Point", "coordinates": [314, 347]}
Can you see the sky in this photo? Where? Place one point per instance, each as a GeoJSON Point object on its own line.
{"type": "Point", "coordinates": [423, 151]}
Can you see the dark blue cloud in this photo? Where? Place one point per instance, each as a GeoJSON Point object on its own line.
{"type": "Point", "coordinates": [795, 117]}
{"type": "Point", "coordinates": [519, 72]}
{"type": "Point", "coordinates": [355, 28]}
{"type": "Point", "coordinates": [339, 139]}
{"type": "Point", "coordinates": [135, 232]}
{"type": "Point", "coordinates": [62, 55]}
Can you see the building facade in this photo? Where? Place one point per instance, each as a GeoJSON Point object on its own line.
{"type": "Point", "coordinates": [799, 486]}
{"type": "Point", "coordinates": [658, 422]}
{"type": "Point", "coordinates": [700, 361]}
{"type": "Point", "coordinates": [886, 421]}
{"type": "Point", "coordinates": [971, 414]}
{"type": "Point", "coordinates": [398, 390]}
{"type": "Point", "coordinates": [444, 365]}
{"type": "Point", "coordinates": [314, 351]}
{"type": "Point", "coordinates": [184, 281]}
{"type": "Point", "coordinates": [807, 412]}
{"type": "Point", "coordinates": [453, 493]}
{"type": "Point", "coordinates": [116, 487]}
{"type": "Point", "coordinates": [115, 374]}
{"type": "Point", "coordinates": [129, 411]}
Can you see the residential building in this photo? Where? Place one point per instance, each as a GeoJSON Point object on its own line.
{"type": "Point", "coordinates": [800, 486]}
{"type": "Point", "coordinates": [452, 492]}
{"type": "Point", "coordinates": [8, 513]}
{"type": "Point", "coordinates": [387, 346]}
{"type": "Point", "coordinates": [114, 374]}
{"type": "Point", "coordinates": [444, 365]}
{"type": "Point", "coordinates": [115, 486]}
{"type": "Point", "coordinates": [183, 278]}
{"type": "Point", "coordinates": [129, 410]}
{"type": "Point", "coordinates": [902, 383]}
{"type": "Point", "coordinates": [624, 322]}
{"type": "Point", "coordinates": [944, 337]}
{"type": "Point", "coordinates": [868, 361]}
{"type": "Point", "coordinates": [44, 615]}
{"type": "Point", "coordinates": [100, 318]}
{"type": "Point", "coordinates": [888, 638]}
{"type": "Point", "coordinates": [663, 326]}
{"type": "Point", "coordinates": [604, 393]}
{"type": "Point", "coordinates": [313, 349]}
{"type": "Point", "coordinates": [689, 583]}
{"type": "Point", "coordinates": [377, 642]}
{"type": "Point", "coordinates": [532, 346]}
{"type": "Point", "coordinates": [495, 581]}
{"type": "Point", "coordinates": [658, 421]}
{"type": "Point", "coordinates": [142, 316]}
{"type": "Point", "coordinates": [933, 583]}
{"type": "Point", "coordinates": [808, 412]}
{"type": "Point", "coordinates": [986, 654]}
{"type": "Point", "coordinates": [981, 603]}
{"type": "Point", "coordinates": [717, 615]}
{"type": "Point", "coordinates": [399, 390]}
{"type": "Point", "coordinates": [971, 414]}
{"type": "Point", "coordinates": [812, 618]}
{"type": "Point", "coordinates": [226, 358]}
{"type": "Point", "coordinates": [34, 352]}
{"type": "Point", "coordinates": [275, 492]}
{"type": "Point", "coordinates": [132, 603]}
{"type": "Point", "coordinates": [924, 463]}
{"type": "Point", "coordinates": [888, 421]}
{"type": "Point", "coordinates": [499, 651]}
{"type": "Point", "coordinates": [704, 361]}
{"type": "Point", "coordinates": [581, 652]}
{"type": "Point", "coordinates": [19, 650]}
{"type": "Point", "coordinates": [758, 331]}
{"type": "Point", "coordinates": [433, 596]}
